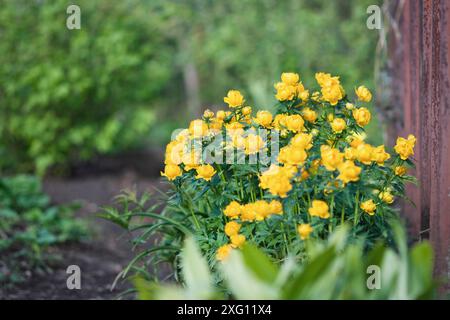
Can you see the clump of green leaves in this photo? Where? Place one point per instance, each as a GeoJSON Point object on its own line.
{"type": "Point", "coordinates": [29, 225]}
{"type": "Point", "coordinates": [334, 269]}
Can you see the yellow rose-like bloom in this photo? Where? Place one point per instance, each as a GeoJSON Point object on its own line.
{"type": "Point", "coordinates": [304, 95]}
{"type": "Point", "coordinates": [349, 172]}
{"type": "Point", "coordinates": [221, 115]}
{"type": "Point", "coordinates": [198, 128]}
{"type": "Point", "coordinates": [405, 147]}
{"type": "Point", "coordinates": [309, 115]}
{"type": "Point", "coordinates": [295, 123]}
{"type": "Point", "coordinates": [253, 144]}
{"type": "Point", "coordinates": [331, 158]}
{"type": "Point", "coordinates": [379, 155]}
{"type": "Point", "coordinates": [248, 212]}
{"type": "Point", "coordinates": [350, 153]}
{"type": "Point", "coordinates": [262, 209]}
{"type": "Point", "coordinates": [290, 78]}
{"type": "Point", "coordinates": [369, 207]}
{"type": "Point", "coordinates": [234, 99]}
{"type": "Point", "coordinates": [174, 152]}
{"type": "Point", "coordinates": [276, 179]}
{"type": "Point", "coordinates": [208, 114]}
{"type": "Point", "coordinates": [285, 92]}
{"type": "Point", "coordinates": [279, 122]}
{"type": "Point", "coordinates": [362, 116]}
{"type": "Point", "coordinates": [338, 125]}
{"type": "Point", "coordinates": [264, 118]}
{"type": "Point", "coordinates": [364, 153]}
{"type": "Point", "coordinates": [304, 230]}
{"type": "Point", "coordinates": [331, 88]}
{"type": "Point", "coordinates": [296, 156]}
{"type": "Point", "coordinates": [349, 106]}
{"type": "Point", "coordinates": [191, 160]}
{"type": "Point", "coordinates": [223, 252]}
{"type": "Point", "coordinates": [363, 94]}
{"type": "Point", "coordinates": [246, 111]}
{"type": "Point", "coordinates": [232, 228]}
{"type": "Point", "coordinates": [319, 208]}
{"type": "Point", "coordinates": [386, 196]}
{"type": "Point", "coordinates": [276, 207]}
{"type": "Point", "coordinates": [400, 170]}
{"type": "Point", "coordinates": [302, 140]}
{"type": "Point", "coordinates": [233, 210]}
{"type": "Point", "coordinates": [205, 172]}
{"type": "Point", "coordinates": [237, 240]}
{"type": "Point", "coordinates": [171, 171]}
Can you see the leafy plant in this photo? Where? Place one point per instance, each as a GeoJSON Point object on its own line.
{"type": "Point", "coordinates": [29, 225]}
{"type": "Point", "coordinates": [71, 94]}
{"type": "Point", "coordinates": [275, 179]}
{"type": "Point", "coordinates": [333, 269]}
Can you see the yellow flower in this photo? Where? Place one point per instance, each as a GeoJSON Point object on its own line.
{"type": "Point", "coordinates": [279, 121]}
{"type": "Point", "coordinates": [290, 78]}
{"type": "Point", "coordinates": [284, 91]}
{"type": "Point", "coordinates": [302, 141]}
{"type": "Point", "coordinates": [309, 115]}
{"type": "Point", "coordinates": [379, 155]}
{"type": "Point", "coordinates": [319, 208]}
{"type": "Point", "coordinates": [221, 115]}
{"type": "Point", "coordinates": [276, 207]}
{"type": "Point", "coordinates": [349, 172]}
{"type": "Point", "coordinates": [232, 228]}
{"type": "Point", "coordinates": [331, 158]}
{"type": "Point", "coordinates": [205, 172]}
{"type": "Point", "coordinates": [246, 111]}
{"type": "Point", "coordinates": [304, 230]}
{"type": "Point", "coordinates": [234, 99]}
{"type": "Point", "coordinates": [295, 156]}
{"type": "Point", "coordinates": [338, 125]}
{"type": "Point", "coordinates": [369, 207]}
{"type": "Point", "coordinates": [198, 128]}
{"type": "Point", "coordinates": [237, 240]}
{"type": "Point", "coordinates": [294, 123]}
{"type": "Point", "coordinates": [350, 153]}
{"type": "Point", "coordinates": [174, 152]}
{"type": "Point", "coordinates": [363, 94]}
{"type": "Point", "coordinates": [400, 170]}
{"type": "Point", "coordinates": [208, 114]}
{"type": "Point", "coordinates": [223, 252]}
{"type": "Point", "coordinates": [362, 116]}
{"type": "Point", "coordinates": [253, 144]}
{"type": "Point", "coordinates": [405, 147]}
{"type": "Point", "coordinates": [233, 210]}
{"type": "Point", "coordinates": [331, 88]}
{"type": "Point", "coordinates": [262, 209]}
{"type": "Point", "coordinates": [349, 106]}
{"type": "Point", "coordinates": [276, 179]}
{"type": "Point", "coordinates": [304, 95]}
{"type": "Point", "coordinates": [386, 196]}
{"type": "Point", "coordinates": [264, 118]}
{"type": "Point", "coordinates": [364, 153]}
{"type": "Point", "coordinates": [191, 160]}
{"type": "Point", "coordinates": [171, 171]}
{"type": "Point", "coordinates": [248, 212]}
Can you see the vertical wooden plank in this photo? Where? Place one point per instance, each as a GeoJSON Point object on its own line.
{"type": "Point", "coordinates": [439, 127]}
{"type": "Point", "coordinates": [424, 79]}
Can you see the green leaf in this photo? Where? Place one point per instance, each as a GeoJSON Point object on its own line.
{"type": "Point", "coordinates": [259, 263]}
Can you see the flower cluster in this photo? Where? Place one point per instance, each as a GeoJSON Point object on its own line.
{"type": "Point", "coordinates": [307, 164]}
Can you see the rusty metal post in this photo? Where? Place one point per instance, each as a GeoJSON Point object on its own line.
{"type": "Point", "coordinates": [422, 76]}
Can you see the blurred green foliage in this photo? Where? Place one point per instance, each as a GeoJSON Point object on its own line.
{"type": "Point", "coordinates": [29, 225]}
{"type": "Point", "coordinates": [68, 94]}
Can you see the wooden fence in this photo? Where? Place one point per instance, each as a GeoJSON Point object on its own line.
{"type": "Point", "coordinates": [420, 55]}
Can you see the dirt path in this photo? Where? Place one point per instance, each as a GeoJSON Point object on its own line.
{"type": "Point", "coordinates": [99, 259]}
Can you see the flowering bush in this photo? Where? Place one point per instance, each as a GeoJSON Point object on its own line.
{"type": "Point", "coordinates": [279, 179]}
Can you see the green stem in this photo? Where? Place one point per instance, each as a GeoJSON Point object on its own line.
{"type": "Point", "coordinates": [355, 222]}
